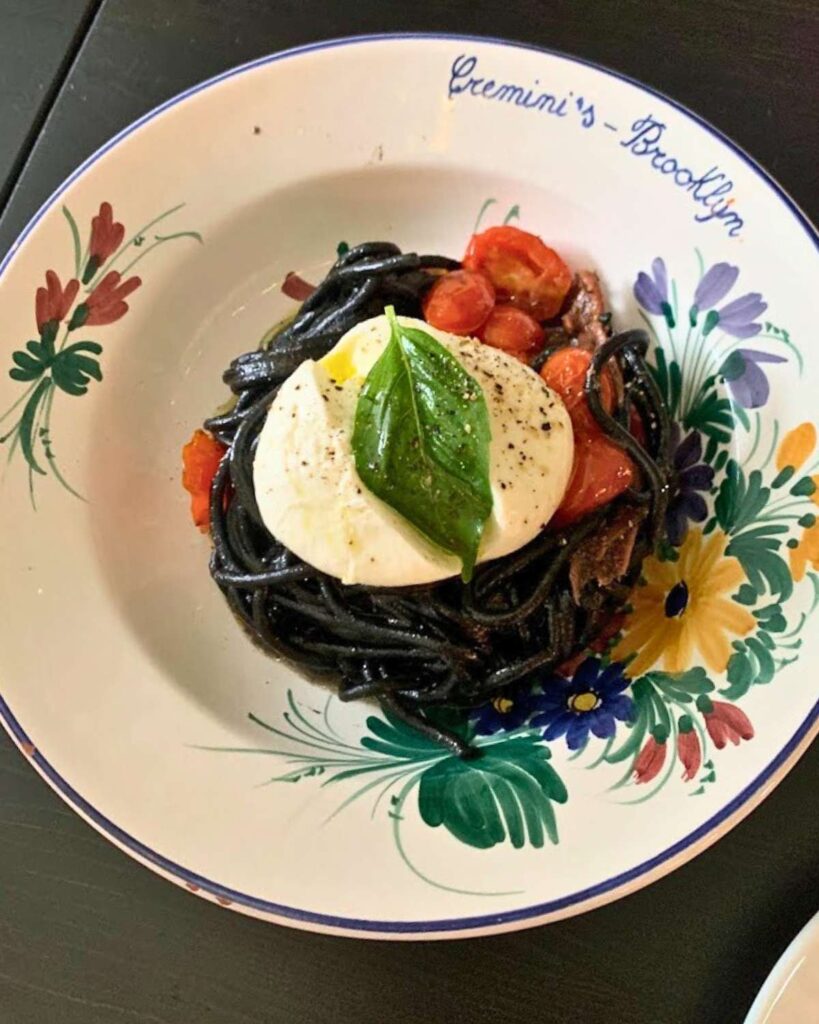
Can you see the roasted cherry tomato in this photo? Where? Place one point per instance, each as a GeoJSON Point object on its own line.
{"type": "Point", "coordinates": [523, 269]}
{"type": "Point", "coordinates": [200, 460]}
{"type": "Point", "coordinates": [512, 330]}
{"type": "Point", "coordinates": [565, 372]}
{"type": "Point", "coordinates": [601, 471]}
{"type": "Point", "coordinates": [459, 301]}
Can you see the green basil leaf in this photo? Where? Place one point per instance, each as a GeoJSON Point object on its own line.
{"type": "Point", "coordinates": [421, 441]}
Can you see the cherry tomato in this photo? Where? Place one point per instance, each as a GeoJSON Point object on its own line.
{"type": "Point", "coordinates": [200, 460]}
{"type": "Point", "coordinates": [601, 471]}
{"type": "Point", "coordinates": [512, 330]}
{"type": "Point", "coordinates": [459, 301]}
{"type": "Point", "coordinates": [523, 269]}
{"type": "Point", "coordinates": [565, 372]}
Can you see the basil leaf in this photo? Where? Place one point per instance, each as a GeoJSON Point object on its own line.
{"type": "Point", "coordinates": [421, 441]}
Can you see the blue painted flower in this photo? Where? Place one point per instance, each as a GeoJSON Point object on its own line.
{"type": "Point", "coordinates": [652, 292]}
{"type": "Point", "coordinates": [738, 317]}
{"type": "Point", "coordinates": [746, 381]}
{"type": "Point", "coordinates": [589, 702]}
{"type": "Point", "coordinates": [714, 285]}
{"type": "Point", "coordinates": [693, 477]}
{"type": "Point", "coordinates": [509, 711]}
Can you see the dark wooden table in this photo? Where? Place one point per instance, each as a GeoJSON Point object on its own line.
{"type": "Point", "coordinates": [89, 937]}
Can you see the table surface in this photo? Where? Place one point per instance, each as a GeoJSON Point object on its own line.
{"type": "Point", "coordinates": [87, 936]}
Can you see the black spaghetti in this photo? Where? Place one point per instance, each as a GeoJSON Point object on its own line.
{"type": "Point", "coordinates": [443, 645]}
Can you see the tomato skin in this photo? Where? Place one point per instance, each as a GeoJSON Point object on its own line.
{"type": "Point", "coordinates": [200, 460]}
{"type": "Point", "coordinates": [459, 301]}
{"type": "Point", "coordinates": [565, 372]}
{"type": "Point", "coordinates": [512, 330]}
{"type": "Point", "coordinates": [600, 473]}
{"type": "Point", "coordinates": [523, 269]}
{"type": "Point", "coordinates": [601, 469]}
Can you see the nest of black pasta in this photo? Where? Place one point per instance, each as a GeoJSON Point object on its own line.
{"type": "Point", "coordinates": [447, 644]}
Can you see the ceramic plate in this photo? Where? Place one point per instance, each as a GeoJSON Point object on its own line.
{"type": "Point", "coordinates": [791, 993]}
{"type": "Point", "coordinates": [125, 680]}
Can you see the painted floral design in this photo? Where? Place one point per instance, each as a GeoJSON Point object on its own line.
{"type": "Point", "coordinates": [710, 618]}
{"type": "Point", "coordinates": [508, 712]}
{"type": "Point", "coordinates": [684, 612]}
{"type": "Point", "coordinates": [592, 701]}
{"type": "Point", "coordinates": [693, 479]}
{"type": "Point", "coordinates": [53, 363]}
{"type": "Point", "coordinates": [724, 722]}
{"type": "Point", "coordinates": [747, 382]}
{"type": "Point", "coordinates": [651, 291]}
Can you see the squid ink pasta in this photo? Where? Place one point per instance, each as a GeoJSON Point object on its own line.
{"type": "Point", "coordinates": [446, 645]}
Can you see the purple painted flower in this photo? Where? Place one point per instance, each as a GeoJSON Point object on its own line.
{"type": "Point", "coordinates": [693, 477]}
{"type": "Point", "coordinates": [509, 711]}
{"type": "Point", "coordinates": [714, 285]}
{"type": "Point", "coordinates": [591, 701]}
{"type": "Point", "coordinates": [737, 318]}
{"type": "Point", "coordinates": [652, 292]}
{"type": "Point", "coordinates": [745, 378]}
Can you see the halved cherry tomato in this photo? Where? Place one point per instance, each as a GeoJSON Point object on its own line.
{"type": "Point", "coordinates": [565, 372]}
{"type": "Point", "coordinates": [512, 330]}
{"type": "Point", "coordinates": [601, 469]}
{"type": "Point", "coordinates": [459, 301]}
{"type": "Point", "coordinates": [200, 460]}
{"type": "Point", "coordinates": [523, 269]}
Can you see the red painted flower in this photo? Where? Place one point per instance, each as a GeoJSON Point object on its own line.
{"type": "Point", "coordinates": [652, 757]}
{"type": "Point", "coordinates": [724, 722]}
{"type": "Point", "coordinates": [106, 303]}
{"type": "Point", "coordinates": [53, 302]}
{"type": "Point", "coordinates": [106, 237]}
{"type": "Point", "coordinates": [688, 748]}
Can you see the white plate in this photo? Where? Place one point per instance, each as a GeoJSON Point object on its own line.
{"type": "Point", "coordinates": [122, 670]}
{"type": "Point", "coordinates": [791, 993]}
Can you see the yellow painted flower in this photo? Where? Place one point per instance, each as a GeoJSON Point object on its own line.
{"type": "Point", "coordinates": [796, 446]}
{"type": "Point", "coordinates": [683, 609]}
{"type": "Point", "coordinates": [793, 450]}
{"type": "Point", "coordinates": [807, 550]}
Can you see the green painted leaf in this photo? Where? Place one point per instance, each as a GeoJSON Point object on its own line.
{"type": "Point", "coordinates": [765, 667]}
{"type": "Point", "coordinates": [75, 238]}
{"type": "Point", "coordinates": [763, 567]}
{"type": "Point", "coordinates": [681, 685]}
{"type": "Point", "coordinates": [72, 370]}
{"type": "Point", "coordinates": [803, 488]}
{"type": "Point", "coordinates": [506, 793]}
{"type": "Point", "coordinates": [641, 694]}
{"type": "Point", "coordinates": [713, 416]}
{"type": "Point", "coordinates": [421, 441]}
{"type": "Point", "coordinates": [741, 415]}
{"type": "Point", "coordinates": [733, 367]}
{"type": "Point", "coordinates": [27, 421]}
{"type": "Point", "coordinates": [740, 675]}
{"type": "Point", "coordinates": [751, 664]}
{"type": "Point", "coordinates": [772, 617]}
{"type": "Point", "coordinates": [397, 739]}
